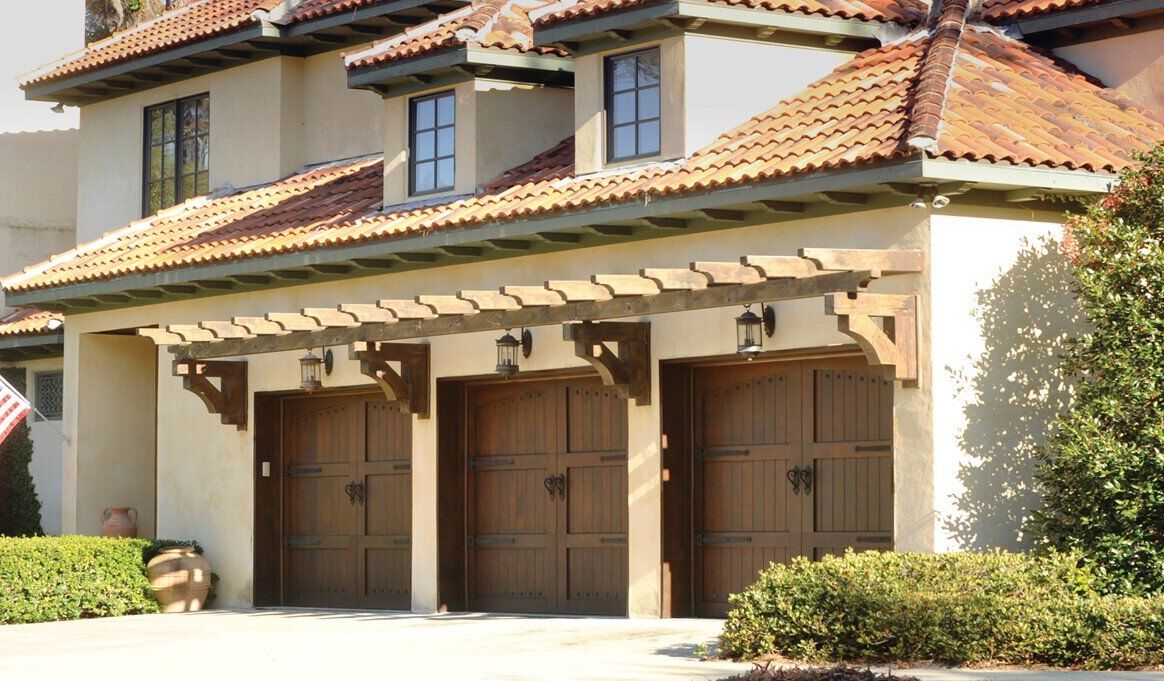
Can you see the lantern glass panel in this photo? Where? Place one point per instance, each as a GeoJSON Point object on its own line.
{"type": "Point", "coordinates": [309, 373]}
{"type": "Point", "coordinates": [749, 334]}
{"type": "Point", "coordinates": [507, 355]}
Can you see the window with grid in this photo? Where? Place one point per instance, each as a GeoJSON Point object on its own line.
{"type": "Point", "coordinates": [432, 162]}
{"type": "Point", "coordinates": [50, 395]}
{"type": "Point", "coordinates": [632, 105]}
{"type": "Point", "coordinates": [177, 152]}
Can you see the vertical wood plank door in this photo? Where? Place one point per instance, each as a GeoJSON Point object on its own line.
{"type": "Point", "coordinates": [592, 516]}
{"type": "Point", "coordinates": [547, 498]}
{"type": "Point", "coordinates": [849, 450]}
{"type": "Point", "coordinates": [342, 549]}
{"type": "Point", "coordinates": [515, 432]}
{"type": "Point", "coordinates": [747, 433]}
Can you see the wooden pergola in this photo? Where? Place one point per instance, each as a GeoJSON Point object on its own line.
{"type": "Point", "coordinates": [884, 325]}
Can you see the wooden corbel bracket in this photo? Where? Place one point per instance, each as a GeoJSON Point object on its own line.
{"type": "Point", "coordinates": [229, 398]}
{"type": "Point", "coordinates": [629, 369]}
{"type": "Point", "coordinates": [408, 386]}
{"type": "Point", "coordinates": [891, 343]}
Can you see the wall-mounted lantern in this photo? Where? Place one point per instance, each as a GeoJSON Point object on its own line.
{"type": "Point", "coordinates": [751, 329]}
{"type": "Point", "coordinates": [508, 363]}
{"type": "Point", "coordinates": [312, 369]}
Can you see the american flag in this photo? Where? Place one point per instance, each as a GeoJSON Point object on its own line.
{"type": "Point", "coordinates": [13, 408]}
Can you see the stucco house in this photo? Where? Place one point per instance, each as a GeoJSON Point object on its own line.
{"type": "Point", "coordinates": [440, 306]}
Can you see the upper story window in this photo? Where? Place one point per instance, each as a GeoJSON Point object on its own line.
{"type": "Point", "coordinates": [432, 161]}
{"type": "Point", "coordinates": [632, 105]}
{"type": "Point", "coordinates": [177, 152]}
{"type": "Point", "coordinates": [431, 143]}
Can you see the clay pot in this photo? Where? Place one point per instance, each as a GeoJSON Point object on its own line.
{"type": "Point", "coordinates": [119, 522]}
{"type": "Point", "coordinates": [180, 579]}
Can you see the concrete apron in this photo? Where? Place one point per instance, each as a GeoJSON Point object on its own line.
{"type": "Point", "coordinates": [293, 645]}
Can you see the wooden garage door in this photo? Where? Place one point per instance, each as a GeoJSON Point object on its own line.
{"type": "Point", "coordinates": [347, 503]}
{"type": "Point", "coordinates": [547, 498]}
{"type": "Point", "coordinates": [791, 459]}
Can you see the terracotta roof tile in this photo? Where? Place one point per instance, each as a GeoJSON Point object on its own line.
{"type": "Point", "coordinates": [1004, 102]}
{"type": "Point", "coordinates": [895, 11]}
{"type": "Point", "coordinates": [193, 22]}
{"type": "Point", "coordinates": [26, 322]}
{"type": "Point", "coordinates": [500, 24]}
{"type": "Point", "coordinates": [1001, 11]}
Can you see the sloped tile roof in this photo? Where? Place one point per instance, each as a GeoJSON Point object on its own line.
{"type": "Point", "coordinates": [1004, 103]}
{"type": "Point", "coordinates": [499, 24]}
{"type": "Point", "coordinates": [888, 11]}
{"type": "Point", "coordinates": [196, 21]}
{"type": "Point", "coordinates": [1002, 11]}
{"type": "Point", "coordinates": [26, 322]}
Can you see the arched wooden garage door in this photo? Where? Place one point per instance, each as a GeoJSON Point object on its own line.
{"type": "Point", "coordinates": [347, 502]}
{"type": "Point", "coordinates": [790, 459]}
{"type": "Point", "coordinates": [547, 498]}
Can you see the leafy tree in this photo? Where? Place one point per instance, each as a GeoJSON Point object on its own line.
{"type": "Point", "coordinates": [19, 506]}
{"type": "Point", "coordinates": [1102, 469]}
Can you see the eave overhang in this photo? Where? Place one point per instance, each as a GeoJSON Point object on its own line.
{"type": "Point", "coordinates": [450, 66]}
{"type": "Point", "coordinates": [1086, 24]}
{"type": "Point", "coordinates": [807, 196]}
{"type": "Point", "coordinates": [33, 346]}
{"type": "Point", "coordinates": [658, 19]}
{"type": "Point", "coordinates": [253, 43]}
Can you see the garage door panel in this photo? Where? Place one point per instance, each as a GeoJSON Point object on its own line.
{"type": "Point", "coordinates": [596, 419]}
{"type": "Point", "coordinates": [388, 506]}
{"type": "Point", "coordinates": [597, 500]}
{"type": "Point", "coordinates": [852, 405]}
{"type": "Point", "coordinates": [512, 501]}
{"type": "Point", "coordinates": [319, 575]}
{"type": "Point", "coordinates": [522, 423]}
{"type": "Point", "coordinates": [389, 431]}
{"type": "Point", "coordinates": [510, 579]}
{"type": "Point", "coordinates": [388, 572]}
{"type": "Point", "coordinates": [730, 568]}
{"type": "Point", "coordinates": [321, 432]}
{"type": "Point", "coordinates": [596, 580]}
{"type": "Point", "coordinates": [756, 410]}
{"type": "Point", "coordinates": [317, 505]}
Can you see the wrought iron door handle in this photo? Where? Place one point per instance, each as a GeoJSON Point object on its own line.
{"type": "Point", "coordinates": [350, 489]}
{"type": "Point", "coordinates": [549, 483]}
{"type": "Point", "coordinates": [806, 478]}
{"type": "Point", "coordinates": [361, 488]}
{"type": "Point", "coordinates": [560, 483]}
{"type": "Point", "coordinates": [793, 476]}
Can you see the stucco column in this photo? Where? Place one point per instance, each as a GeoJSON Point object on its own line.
{"type": "Point", "coordinates": [645, 499]}
{"type": "Point", "coordinates": [424, 511]}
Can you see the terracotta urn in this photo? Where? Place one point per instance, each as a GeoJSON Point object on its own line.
{"type": "Point", "coordinates": [119, 522]}
{"type": "Point", "coordinates": [180, 579]}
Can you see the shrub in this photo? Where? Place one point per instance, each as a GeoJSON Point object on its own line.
{"type": "Point", "coordinates": [953, 609]}
{"type": "Point", "coordinates": [1101, 472]}
{"type": "Point", "coordinates": [838, 673]}
{"type": "Point", "coordinates": [44, 579]}
{"type": "Point", "coordinates": [19, 506]}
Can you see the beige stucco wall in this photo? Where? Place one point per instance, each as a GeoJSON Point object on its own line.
{"type": "Point", "coordinates": [1002, 311]}
{"type": "Point", "coordinates": [701, 96]}
{"type": "Point", "coordinates": [1132, 64]}
{"type": "Point", "coordinates": [204, 469]}
{"type": "Point", "coordinates": [38, 189]}
{"type": "Point", "coordinates": [499, 125]}
{"type": "Point", "coordinates": [110, 405]}
{"type": "Point", "coordinates": [267, 119]}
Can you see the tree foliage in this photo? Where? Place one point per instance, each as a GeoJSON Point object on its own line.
{"type": "Point", "coordinates": [19, 505]}
{"type": "Point", "coordinates": [1102, 468]}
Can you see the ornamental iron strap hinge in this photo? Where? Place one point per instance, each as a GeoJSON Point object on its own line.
{"type": "Point", "coordinates": [702, 453]}
{"type": "Point", "coordinates": [409, 386]}
{"type": "Point", "coordinates": [489, 541]}
{"type": "Point", "coordinates": [893, 343]}
{"type": "Point", "coordinates": [229, 398]}
{"type": "Point", "coordinates": [628, 370]}
{"type": "Point", "coordinates": [302, 541]}
{"type": "Point", "coordinates": [702, 539]}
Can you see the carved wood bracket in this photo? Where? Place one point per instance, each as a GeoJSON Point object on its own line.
{"type": "Point", "coordinates": [629, 369]}
{"type": "Point", "coordinates": [408, 386]}
{"type": "Point", "coordinates": [229, 398]}
{"type": "Point", "coordinates": [891, 343]}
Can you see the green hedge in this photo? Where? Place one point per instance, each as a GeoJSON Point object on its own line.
{"type": "Point", "coordinates": [44, 579]}
{"type": "Point", "coordinates": [956, 609]}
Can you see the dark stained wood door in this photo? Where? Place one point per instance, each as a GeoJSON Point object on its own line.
{"type": "Point", "coordinates": [547, 498]}
{"type": "Point", "coordinates": [790, 459]}
{"type": "Point", "coordinates": [347, 503]}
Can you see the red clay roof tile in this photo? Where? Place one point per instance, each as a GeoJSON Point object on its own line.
{"type": "Point", "coordinates": [26, 322]}
{"type": "Point", "coordinates": [1002, 11]}
{"type": "Point", "coordinates": [896, 11]}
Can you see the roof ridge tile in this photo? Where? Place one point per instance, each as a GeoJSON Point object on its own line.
{"type": "Point", "coordinates": [937, 70]}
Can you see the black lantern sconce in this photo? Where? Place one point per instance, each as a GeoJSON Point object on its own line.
{"type": "Point", "coordinates": [751, 329]}
{"type": "Point", "coordinates": [508, 363]}
{"type": "Point", "coordinates": [312, 369]}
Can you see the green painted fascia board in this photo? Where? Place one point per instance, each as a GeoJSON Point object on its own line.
{"type": "Point", "coordinates": [1087, 15]}
{"type": "Point", "coordinates": [398, 72]}
{"type": "Point", "coordinates": [681, 9]}
{"type": "Point", "coordinates": [36, 341]}
{"type": "Point", "coordinates": [349, 17]}
{"type": "Point", "coordinates": [943, 170]}
{"type": "Point", "coordinates": [778, 189]}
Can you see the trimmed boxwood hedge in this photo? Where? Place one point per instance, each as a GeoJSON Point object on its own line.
{"type": "Point", "coordinates": [44, 579]}
{"type": "Point", "coordinates": [954, 608]}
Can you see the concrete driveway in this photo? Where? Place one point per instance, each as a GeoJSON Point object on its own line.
{"type": "Point", "coordinates": [331, 645]}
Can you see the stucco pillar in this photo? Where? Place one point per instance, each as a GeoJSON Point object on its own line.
{"type": "Point", "coordinates": [424, 511]}
{"type": "Point", "coordinates": [645, 499]}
